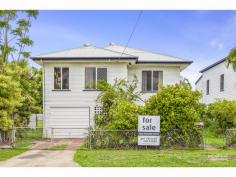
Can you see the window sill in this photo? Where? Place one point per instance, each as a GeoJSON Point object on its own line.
{"type": "Point", "coordinates": [149, 91]}
{"type": "Point", "coordinates": [61, 90]}
{"type": "Point", "coordinates": [92, 90]}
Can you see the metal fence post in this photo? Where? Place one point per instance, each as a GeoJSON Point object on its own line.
{"type": "Point", "coordinates": [227, 137]}
{"type": "Point", "coordinates": [90, 140]}
{"type": "Point", "coordinates": [51, 134]}
{"type": "Point", "coordinates": [203, 138]}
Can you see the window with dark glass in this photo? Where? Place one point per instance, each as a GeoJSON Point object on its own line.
{"type": "Point", "coordinates": [65, 78]}
{"type": "Point", "coordinates": [93, 76]}
{"type": "Point", "coordinates": [61, 78]}
{"type": "Point", "coordinates": [151, 80]}
{"type": "Point", "coordinates": [222, 80]}
{"type": "Point", "coordinates": [57, 78]}
{"type": "Point", "coordinates": [207, 87]}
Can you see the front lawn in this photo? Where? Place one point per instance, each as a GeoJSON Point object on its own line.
{"type": "Point", "coordinates": [156, 158]}
{"type": "Point", "coordinates": [22, 144]}
{"type": "Point", "coordinates": [216, 140]}
{"type": "Point", "coordinates": [9, 153]}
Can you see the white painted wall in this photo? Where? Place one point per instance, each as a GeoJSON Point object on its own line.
{"type": "Point", "coordinates": [77, 97]}
{"type": "Point", "coordinates": [213, 75]}
{"type": "Point", "coordinates": [171, 75]}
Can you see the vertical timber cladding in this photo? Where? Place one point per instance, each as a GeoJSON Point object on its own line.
{"type": "Point", "coordinates": [149, 130]}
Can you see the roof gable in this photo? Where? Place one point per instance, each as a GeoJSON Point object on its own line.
{"type": "Point", "coordinates": [213, 65]}
{"type": "Point", "coordinates": [83, 53]}
{"type": "Point", "coordinates": [147, 56]}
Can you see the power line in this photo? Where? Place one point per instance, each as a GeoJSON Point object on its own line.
{"type": "Point", "coordinates": [133, 30]}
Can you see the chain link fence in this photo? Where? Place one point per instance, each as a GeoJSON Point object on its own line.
{"type": "Point", "coordinates": [230, 138]}
{"type": "Point", "coordinates": [20, 137]}
{"type": "Point", "coordinates": [25, 138]}
{"type": "Point", "coordinates": [128, 139]}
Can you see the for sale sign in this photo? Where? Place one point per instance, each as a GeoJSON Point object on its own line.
{"type": "Point", "coordinates": [149, 130]}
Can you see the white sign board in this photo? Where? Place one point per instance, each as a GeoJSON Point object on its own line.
{"type": "Point", "coordinates": [149, 130]}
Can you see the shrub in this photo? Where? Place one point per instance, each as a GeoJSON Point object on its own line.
{"type": "Point", "coordinates": [119, 112]}
{"type": "Point", "coordinates": [222, 113]}
{"type": "Point", "coordinates": [9, 100]}
{"type": "Point", "coordinates": [179, 109]}
{"type": "Point", "coordinates": [123, 116]}
{"type": "Point", "coordinates": [115, 98]}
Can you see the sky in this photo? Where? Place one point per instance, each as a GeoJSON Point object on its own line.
{"type": "Point", "coordinates": [201, 36]}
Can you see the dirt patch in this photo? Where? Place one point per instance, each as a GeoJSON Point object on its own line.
{"type": "Point", "coordinates": [31, 156]}
{"type": "Point", "coordinates": [71, 144]}
{"type": "Point", "coordinates": [221, 158]}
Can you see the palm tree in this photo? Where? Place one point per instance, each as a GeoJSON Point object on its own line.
{"type": "Point", "coordinates": [231, 58]}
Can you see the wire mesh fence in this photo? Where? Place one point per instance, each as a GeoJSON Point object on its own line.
{"type": "Point", "coordinates": [20, 137]}
{"type": "Point", "coordinates": [230, 138]}
{"type": "Point", "coordinates": [25, 138]}
{"type": "Point", "coordinates": [128, 139]}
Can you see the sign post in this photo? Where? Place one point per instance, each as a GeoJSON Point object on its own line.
{"type": "Point", "coordinates": [148, 130]}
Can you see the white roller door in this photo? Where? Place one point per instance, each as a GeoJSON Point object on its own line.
{"type": "Point", "coordinates": [69, 122]}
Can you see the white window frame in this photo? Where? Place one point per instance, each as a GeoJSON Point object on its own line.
{"type": "Point", "coordinates": [208, 87]}
{"type": "Point", "coordinates": [152, 91]}
{"type": "Point", "coordinates": [96, 75]}
{"type": "Point", "coordinates": [223, 88]}
{"type": "Point", "coordinates": [60, 77]}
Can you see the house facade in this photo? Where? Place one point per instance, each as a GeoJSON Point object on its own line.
{"type": "Point", "coordinates": [70, 77]}
{"type": "Point", "coordinates": [218, 81]}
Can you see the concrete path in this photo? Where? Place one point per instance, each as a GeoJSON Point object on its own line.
{"type": "Point", "coordinates": [37, 157]}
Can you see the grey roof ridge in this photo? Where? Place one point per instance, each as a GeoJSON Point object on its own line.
{"type": "Point", "coordinates": [198, 80]}
{"type": "Point", "coordinates": [212, 65]}
{"type": "Point", "coordinates": [144, 50]}
{"type": "Point", "coordinates": [38, 56]}
{"type": "Point", "coordinates": [116, 52]}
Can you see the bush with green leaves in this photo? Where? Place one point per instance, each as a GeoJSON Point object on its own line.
{"type": "Point", "coordinates": [179, 108]}
{"type": "Point", "coordinates": [30, 82]}
{"type": "Point", "coordinates": [118, 97]}
{"type": "Point", "coordinates": [119, 112]}
{"type": "Point", "coordinates": [10, 99]}
{"type": "Point", "coordinates": [222, 114]}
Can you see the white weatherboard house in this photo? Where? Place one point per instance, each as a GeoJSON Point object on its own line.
{"type": "Point", "coordinates": [70, 77]}
{"type": "Point", "coordinates": [217, 82]}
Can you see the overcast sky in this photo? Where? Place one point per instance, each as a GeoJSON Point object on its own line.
{"type": "Point", "coordinates": [201, 36]}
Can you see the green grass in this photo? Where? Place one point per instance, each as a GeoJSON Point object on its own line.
{"type": "Point", "coordinates": [21, 145]}
{"type": "Point", "coordinates": [9, 153]}
{"type": "Point", "coordinates": [156, 158]}
{"type": "Point", "coordinates": [214, 139]}
{"type": "Point", "coordinates": [58, 147]}
{"type": "Point", "coordinates": [39, 123]}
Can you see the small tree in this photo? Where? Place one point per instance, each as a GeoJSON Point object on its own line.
{"type": "Point", "coordinates": [179, 109]}
{"type": "Point", "coordinates": [222, 114]}
{"type": "Point", "coordinates": [111, 98]}
{"type": "Point", "coordinates": [30, 83]}
{"type": "Point", "coordinates": [14, 29]}
{"type": "Point", "coordinates": [231, 58]}
{"type": "Point", "coordinates": [10, 99]}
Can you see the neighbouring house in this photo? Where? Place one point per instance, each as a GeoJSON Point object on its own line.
{"type": "Point", "coordinates": [217, 82]}
{"type": "Point", "coordinates": [70, 77]}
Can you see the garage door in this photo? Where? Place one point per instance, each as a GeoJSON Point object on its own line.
{"type": "Point", "coordinates": [69, 122]}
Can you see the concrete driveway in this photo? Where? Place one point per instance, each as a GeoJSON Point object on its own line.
{"type": "Point", "coordinates": [39, 156]}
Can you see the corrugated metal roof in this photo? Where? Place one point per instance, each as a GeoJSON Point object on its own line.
{"type": "Point", "coordinates": [112, 51]}
{"type": "Point", "coordinates": [87, 51]}
{"type": "Point", "coordinates": [147, 56]}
